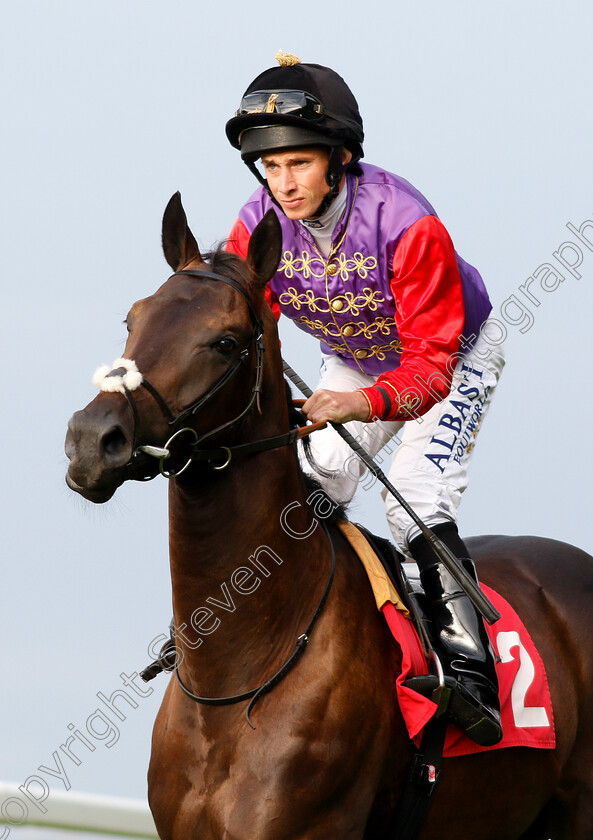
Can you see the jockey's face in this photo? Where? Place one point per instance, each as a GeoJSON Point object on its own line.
{"type": "Point", "coordinates": [297, 179]}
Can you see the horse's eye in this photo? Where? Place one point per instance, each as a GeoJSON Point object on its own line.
{"type": "Point", "coordinates": [226, 345]}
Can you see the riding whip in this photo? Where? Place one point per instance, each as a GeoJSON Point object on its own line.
{"type": "Point", "coordinates": [443, 553]}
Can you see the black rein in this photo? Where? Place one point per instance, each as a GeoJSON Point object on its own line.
{"type": "Point", "coordinates": [256, 693]}
{"type": "Point", "coordinates": [166, 660]}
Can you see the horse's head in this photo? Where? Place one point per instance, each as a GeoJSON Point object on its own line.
{"type": "Point", "coordinates": [192, 366]}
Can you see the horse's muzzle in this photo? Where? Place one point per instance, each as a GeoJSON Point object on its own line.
{"type": "Point", "coordinates": [98, 445]}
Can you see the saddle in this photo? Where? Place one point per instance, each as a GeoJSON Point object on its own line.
{"type": "Point", "coordinates": [526, 706]}
{"type": "Point", "coordinates": [404, 576]}
{"type": "Point", "coordinates": [435, 685]}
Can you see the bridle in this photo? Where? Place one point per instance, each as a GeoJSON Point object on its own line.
{"type": "Point", "coordinates": [175, 421]}
{"type": "Point", "coordinates": [167, 659]}
{"type": "Point", "coordinates": [220, 457]}
{"type": "Point", "coordinates": [257, 338]}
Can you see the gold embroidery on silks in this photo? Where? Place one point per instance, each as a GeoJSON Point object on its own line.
{"type": "Point", "coordinates": [310, 265]}
{"type": "Point", "coordinates": [380, 351]}
{"type": "Point", "coordinates": [351, 329]}
{"type": "Point", "coordinates": [347, 302]}
{"type": "Point", "coordinates": [353, 304]}
{"type": "Point", "coordinates": [407, 403]}
{"type": "Point", "coordinates": [359, 263]}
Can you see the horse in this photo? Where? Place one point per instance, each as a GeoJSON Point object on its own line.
{"type": "Point", "coordinates": [272, 607]}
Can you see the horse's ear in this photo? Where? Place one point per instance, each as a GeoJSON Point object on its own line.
{"type": "Point", "coordinates": [179, 245]}
{"type": "Point", "coordinates": [265, 248]}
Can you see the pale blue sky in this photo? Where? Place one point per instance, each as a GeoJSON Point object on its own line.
{"type": "Point", "coordinates": [110, 107]}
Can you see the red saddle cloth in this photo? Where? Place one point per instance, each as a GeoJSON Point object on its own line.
{"type": "Point", "coordinates": [526, 705]}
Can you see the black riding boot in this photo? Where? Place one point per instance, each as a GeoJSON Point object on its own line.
{"type": "Point", "coordinates": [460, 640]}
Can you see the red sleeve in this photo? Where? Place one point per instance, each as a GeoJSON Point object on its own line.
{"type": "Point", "coordinates": [238, 243]}
{"type": "Point", "coordinates": [430, 315]}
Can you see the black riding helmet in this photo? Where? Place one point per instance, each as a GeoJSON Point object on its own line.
{"type": "Point", "coordinates": [297, 105]}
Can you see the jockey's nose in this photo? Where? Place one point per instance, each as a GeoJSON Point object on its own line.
{"type": "Point", "coordinates": [287, 181]}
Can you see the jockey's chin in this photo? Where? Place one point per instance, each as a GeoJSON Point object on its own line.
{"type": "Point", "coordinates": [296, 208]}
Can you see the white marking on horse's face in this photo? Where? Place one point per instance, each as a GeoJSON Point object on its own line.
{"type": "Point", "coordinates": [105, 379]}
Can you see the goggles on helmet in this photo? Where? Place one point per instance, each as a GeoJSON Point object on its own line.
{"type": "Point", "coordinates": [294, 103]}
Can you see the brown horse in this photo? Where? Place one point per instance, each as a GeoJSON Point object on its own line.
{"type": "Point", "coordinates": [250, 567]}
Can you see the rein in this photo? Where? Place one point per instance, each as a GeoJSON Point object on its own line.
{"type": "Point", "coordinates": [264, 688]}
{"type": "Point", "coordinates": [166, 660]}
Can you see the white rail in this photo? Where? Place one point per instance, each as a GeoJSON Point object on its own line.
{"type": "Point", "coordinates": [79, 811]}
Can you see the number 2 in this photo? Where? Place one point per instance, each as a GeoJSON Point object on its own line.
{"type": "Point", "coordinates": [525, 716]}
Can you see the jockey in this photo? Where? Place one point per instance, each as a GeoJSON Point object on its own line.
{"type": "Point", "coordinates": [369, 270]}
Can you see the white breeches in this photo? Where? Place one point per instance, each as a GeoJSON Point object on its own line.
{"type": "Point", "coordinates": [431, 454]}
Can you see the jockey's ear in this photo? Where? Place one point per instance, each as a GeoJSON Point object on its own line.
{"type": "Point", "coordinates": [265, 248]}
{"type": "Point", "coordinates": [179, 245]}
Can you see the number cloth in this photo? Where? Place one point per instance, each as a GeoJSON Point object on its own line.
{"type": "Point", "coordinates": [526, 706]}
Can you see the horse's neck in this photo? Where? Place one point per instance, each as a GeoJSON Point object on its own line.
{"type": "Point", "coordinates": [242, 580]}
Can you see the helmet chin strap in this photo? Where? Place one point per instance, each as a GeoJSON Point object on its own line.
{"type": "Point", "coordinates": [333, 176]}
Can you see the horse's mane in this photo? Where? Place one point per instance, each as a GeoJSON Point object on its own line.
{"type": "Point", "coordinates": [228, 264]}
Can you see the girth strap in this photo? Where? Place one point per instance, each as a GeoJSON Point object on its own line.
{"type": "Point", "coordinates": [421, 783]}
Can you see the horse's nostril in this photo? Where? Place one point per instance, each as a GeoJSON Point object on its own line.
{"type": "Point", "coordinates": [114, 442]}
{"type": "Point", "coordinates": [69, 445]}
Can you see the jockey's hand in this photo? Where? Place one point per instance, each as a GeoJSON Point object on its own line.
{"type": "Point", "coordinates": [337, 406]}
